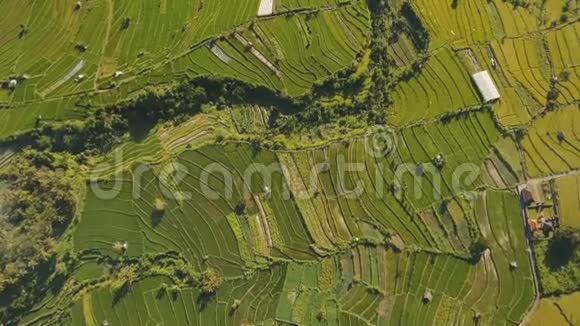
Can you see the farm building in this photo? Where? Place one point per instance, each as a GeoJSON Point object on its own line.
{"type": "Point", "coordinates": [528, 196]}
{"type": "Point", "coordinates": [266, 8]}
{"type": "Point", "coordinates": [485, 86]}
{"type": "Point", "coordinates": [533, 225]}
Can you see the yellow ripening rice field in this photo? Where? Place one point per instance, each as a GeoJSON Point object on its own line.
{"type": "Point", "coordinates": [568, 189]}
{"type": "Point", "coordinates": [552, 144]}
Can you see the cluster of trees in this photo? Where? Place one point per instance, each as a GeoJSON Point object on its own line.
{"type": "Point", "coordinates": [558, 260]}
{"type": "Point", "coordinates": [553, 94]}
{"type": "Point", "coordinates": [103, 129]}
{"type": "Point", "coordinates": [570, 9]}
{"type": "Point", "coordinates": [520, 3]}
{"type": "Point", "coordinates": [414, 27]}
{"type": "Point", "coordinates": [210, 281]}
{"type": "Point", "coordinates": [37, 203]}
{"type": "Point", "coordinates": [106, 127]}
{"type": "Point", "coordinates": [388, 20]}
{"type": "Point", "coordinates": [564, 247]}
{"type": "Point", "coordinates": [378, 98]}
{"type": "Point", "coordinates": [478, 248]}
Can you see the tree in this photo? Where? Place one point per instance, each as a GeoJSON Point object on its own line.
{"type": "Point", "coordinates": [124, 278]}
{"type": "Point", "coordinates": [127, 274]}
{"type": "Point", "coordinates": [564, 247]}
{"type": "Point", "coordinates": [159, 208]}
{"type": "Point", "coordinates": [120, 246]}
{"type": "Point", "coordinates": [210, 281]}
{"type": "Point", "coordinates": [321, 316]}
{"type": "Point", "coordinates": [571, 235]}
{"type": "Point", "coordinates": [126, 23]}
{"type": "Point", "coordinates": [159, 205]}
{"type": "Point", "coordinates": [163, 289]}
{"type": "Point", "coordinates": [477, 248]}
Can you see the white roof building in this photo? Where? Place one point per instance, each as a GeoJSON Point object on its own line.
{"type": "Point", "coordinates": [486, 86]}
{"type": "Point", "coordinates": [266, 8]}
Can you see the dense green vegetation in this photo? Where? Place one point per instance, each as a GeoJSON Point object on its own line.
{"type": "Point", "coordinates": [559, 262]}
{"type": "Point", "coordinates": [38, 203]}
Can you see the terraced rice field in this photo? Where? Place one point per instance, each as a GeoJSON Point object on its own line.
{"type": "Point", "coordinates": [508, 41]}
{"type": "Point", "coordinates": [251, 118]}
{"type": "Point", "coordinates": [421, 184]}
{"type": "Point", "coordinates": [287, 53]}
{"type": "Point", "coordinates": [208, 214]}
{"type": "Point", "coordinates": [403, 51]}
{"type": "Point", "coordinates": [516, 106]}
{"type": "Point", "coordinates": [363, 284]}
{"type": "Point", "coordinates": [350, 259]}
{"type": "Point", "coordinates": [366, 284]}
{"type": "Point", "coordinates": [6, 155]}
{"type": "Point", "coordinates": [503, 169]}
{"type": "Point", "coordinates": [563, 45]}
{"type": "Point", "coordinates": [443, 86]}
{"type": "Point", "coordinates": [464, 142]}
{"type": "Point", "coordinates": [469, 23]}
{"type": "Point", "coordinates": [524, 63]}
{"type": "Point", "coordinates": [544, 152]}
{"type": "Point", "coordinates": [499, 222]}
{"type": "Point", "coordinates": [358, 230]}
{"type": "Point", "coordinates": [149, 303]}
{"type": "Point", "coordinates": [160, 143]}
{"type": "Point", "coordinates": [568, 189]}
{"type": "Point", "coordinates": [476, 22]}
{"type": "Point", "coordinates": [557, 311]}
{"type": "Point", "coordinates": [283, 5]}
{"type": "Point", "coordinates": [567, 304]}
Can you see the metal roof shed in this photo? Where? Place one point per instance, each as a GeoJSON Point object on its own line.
{"type": "Point", "coordinates": [266, 8]}
{"type": "Point", "coordinates": [486, 86]}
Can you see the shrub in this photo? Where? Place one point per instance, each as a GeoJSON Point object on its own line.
{"type": "Point", "coordinates": [159, 205]}
{"type": "Point", "coordinates": [236, 304]}
{"type": "Point", "coordinates": [321, 316]}
{"type": "Point", "coordinates": [477, 248]}
{"type": "Point", "coordinates": [210, 281]}
{"type": "Point", "coordinates": [126, 23]}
